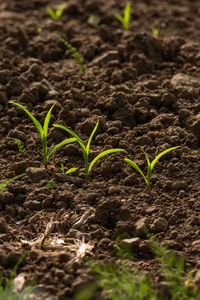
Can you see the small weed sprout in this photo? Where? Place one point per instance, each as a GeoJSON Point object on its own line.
{"type": "Point", "coordinates": [51, 184]}
{"type": "Point", "coordinates": [86, 149]}
{"type": "Point", "coordinates": [19, 144]}
{"type": "Point", "coordinates": [150, 165]}
{"type": "Point", "coordinates": [74, 53]}
{"type": "Point", "coordinates": [126, 18]}
{"type": "Point", "coordinates": [155, 31]}
{"type": "Point", "coordinates": [94, 20]}
{"type": "Point", "coordinates": [71, 170]}
{"type": "Point", "coordinates": [3, 184]}
{"type": "Point", "coordinates": [43, 133]}
{"type": "Point", "coordinates": [56, 15]}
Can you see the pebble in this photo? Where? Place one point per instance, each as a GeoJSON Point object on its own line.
{"type": "Point", "coordinates": [159, 225]}
{"type": "Point", "coordinates": [3, 225]}
{"type": "Point", "coordinates": [36, 174]}
{"type": "Point", "coordinates": [140, 225]}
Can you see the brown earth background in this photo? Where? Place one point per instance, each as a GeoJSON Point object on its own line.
{"type": "Point", "coordinates": [144, 90]}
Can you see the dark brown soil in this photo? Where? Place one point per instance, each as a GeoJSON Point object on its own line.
{"type": "Point", "coordinates": [145, 90]}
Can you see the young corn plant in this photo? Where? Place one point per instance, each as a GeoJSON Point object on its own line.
{"type": "Point", "coordinates": [56, 15]}
{"type": "Point", "coordinates": [19, 144]}
{"type": "Point", "coordinates": [3, 184]}
{"type": "Point", "coordinates": [71, 170]}
{"type": "Point", "coordinates": [86, 149]}
{"type": "Point", "coordinates": [125, 20]}
{"type": "Point", "coordinates": [74, 53]}
{"type": "Point", "coordinates": [150, 165]}
{"type": "Point", "coordinates": [43, 132]}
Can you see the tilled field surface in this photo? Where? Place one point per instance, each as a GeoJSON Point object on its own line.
{"type": "Point", "coordinates": [144, 90]}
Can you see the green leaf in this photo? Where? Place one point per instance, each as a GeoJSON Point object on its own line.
{"type": "Point", "coordinates": [119, 18]}
{"type": "Point", "coordinates": [71, 170]}
{"type": "Point", "coordinates": [127, 13]}
{"type": "Point", "coordinates": [91, 136]}
{"type": "Point", "coordinates": [101, 155]}
{"type": "Point", "coordinates": [132, 164]}
{"type": "Point", "coordinates": [73, 134]}
{"type": "Point", "coordinates": [71, 140]}
{"type": "Point", "coordinates": [51, 13]}
{"type": "Point", "coordinates": [148, 165]}
{"type": "Point", "coordinates": [3, 184]}
{"type": "Point", "coordinates": [60, 10]}
{"type": "Point", "coordinates": [47, 119]}
{"type": "Point", "coordinates": [35, 121]}
{"type": "Point", "coordinates": [161, 154]}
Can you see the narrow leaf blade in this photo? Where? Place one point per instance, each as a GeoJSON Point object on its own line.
{"type": "Point", "coordinates": [101, 155]}
{"type": "Point", "coordinates": [47, 119]}
{"type": "Point", "coordinates": [161, 154]}
{"type": "Point", "coordinates": [148, 165]}
{"type": "Point", "coordinates": [71, 170]}
{"type": "Point", "coordinates": [51, 13]}
{"type": "Point", "coordinates": [132, 164]}
{"type": "Point", "coordinates": [73, 134]}
{"type": "Point", "coordinates": [71, 140]}
{"type": "Point", "coordinates": [35, 121]}
{"type": "Point", "coordinates": [91, 136]}
{"type": "Point", "coordinates": [119, 18]}
{"type": "Point", "coordinates": [127, 13]}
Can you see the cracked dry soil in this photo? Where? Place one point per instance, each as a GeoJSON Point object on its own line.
{"type": "Point", "coordinates": [144, 90]}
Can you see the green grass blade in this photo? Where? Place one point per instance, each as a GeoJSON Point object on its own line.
{"type": "Point", "coordinates": [47, 119]}
{"type": "Point", "coordinates": [35, 121]}
{"type": "Point", "coordinates": [161, 154]}
{"type": "Point", "coordinates": [60, 10]}
{"type": "Point", "coordinates": [71, 170]}
{"type": "Point", "coordinates": [132, 164]}
{"type": "Point", "coordinates": [91, 136]}
{"type": "Point", "coordinates": [51, 13]}
{"type": "Point", "coordinates": [119, 18]}
{"type": "Point", "coordinates": [101, 155]}
{"type": "Point", "coordinates": [71, 140]}
{"type": "Point", "coordinates": [148, 165]}
{"type": "Point", "coordinates": [127, 13]}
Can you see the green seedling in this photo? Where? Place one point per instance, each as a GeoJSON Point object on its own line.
{"type": "Point", "coordinates": [75, 216]}
{"type": "Point", "coordinates": [43, 133]}
{"type": "Point", "coordinates": [126, 18]}
{"type": "Point", "coordinates": [94, 20]}
{"type": "Point", "coordinates": [51, 184]}
{"type": "Point", "coordinates": [150, 165]}
{"type": "Point", "coordinates": [155, 31]}
{"type": "Point", "coordinates": [71, 170]}
{"type": "Point", "coordinates": [74, 53]}
{"type": "Point", "coordinates": [19, 144]}
{"type": "Point", "coordinates": [86, 149]}
{"type": "Point", "coordinates": [3, 184]}
{"type": "Point", "coordinates": [56, 15]}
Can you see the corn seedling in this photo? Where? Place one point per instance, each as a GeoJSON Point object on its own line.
{"type": "Point", "coordinates": [74, 53]}
{"type": "Point", "coordinates": [155, 31]}
{"type": "Point", "coordinates": [56, 15]}
{"type": "Point", "coordinates": [3, 184]}
{"type": "Point", "coordinates": [71, 170]}
{"type": "Point", "coordinates": [126, 18]}
{"type": "Point", "coordinates": [43, 133]}
{"type": "Point", "coordinates": [19, 144]}
{"type": "Point", "coordinates": [150, 165]}
{"type": "Point", "coordinates": [86, 149]}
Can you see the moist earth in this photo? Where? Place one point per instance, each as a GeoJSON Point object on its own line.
{"type": "Point", "coordinates": [144, 90]}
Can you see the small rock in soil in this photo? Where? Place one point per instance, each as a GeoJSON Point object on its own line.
{"type": "Point", "coordinates": [36, 174]}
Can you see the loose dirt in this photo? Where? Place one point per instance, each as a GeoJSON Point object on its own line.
{"type": "Point", "coordinates": [144, 90]}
